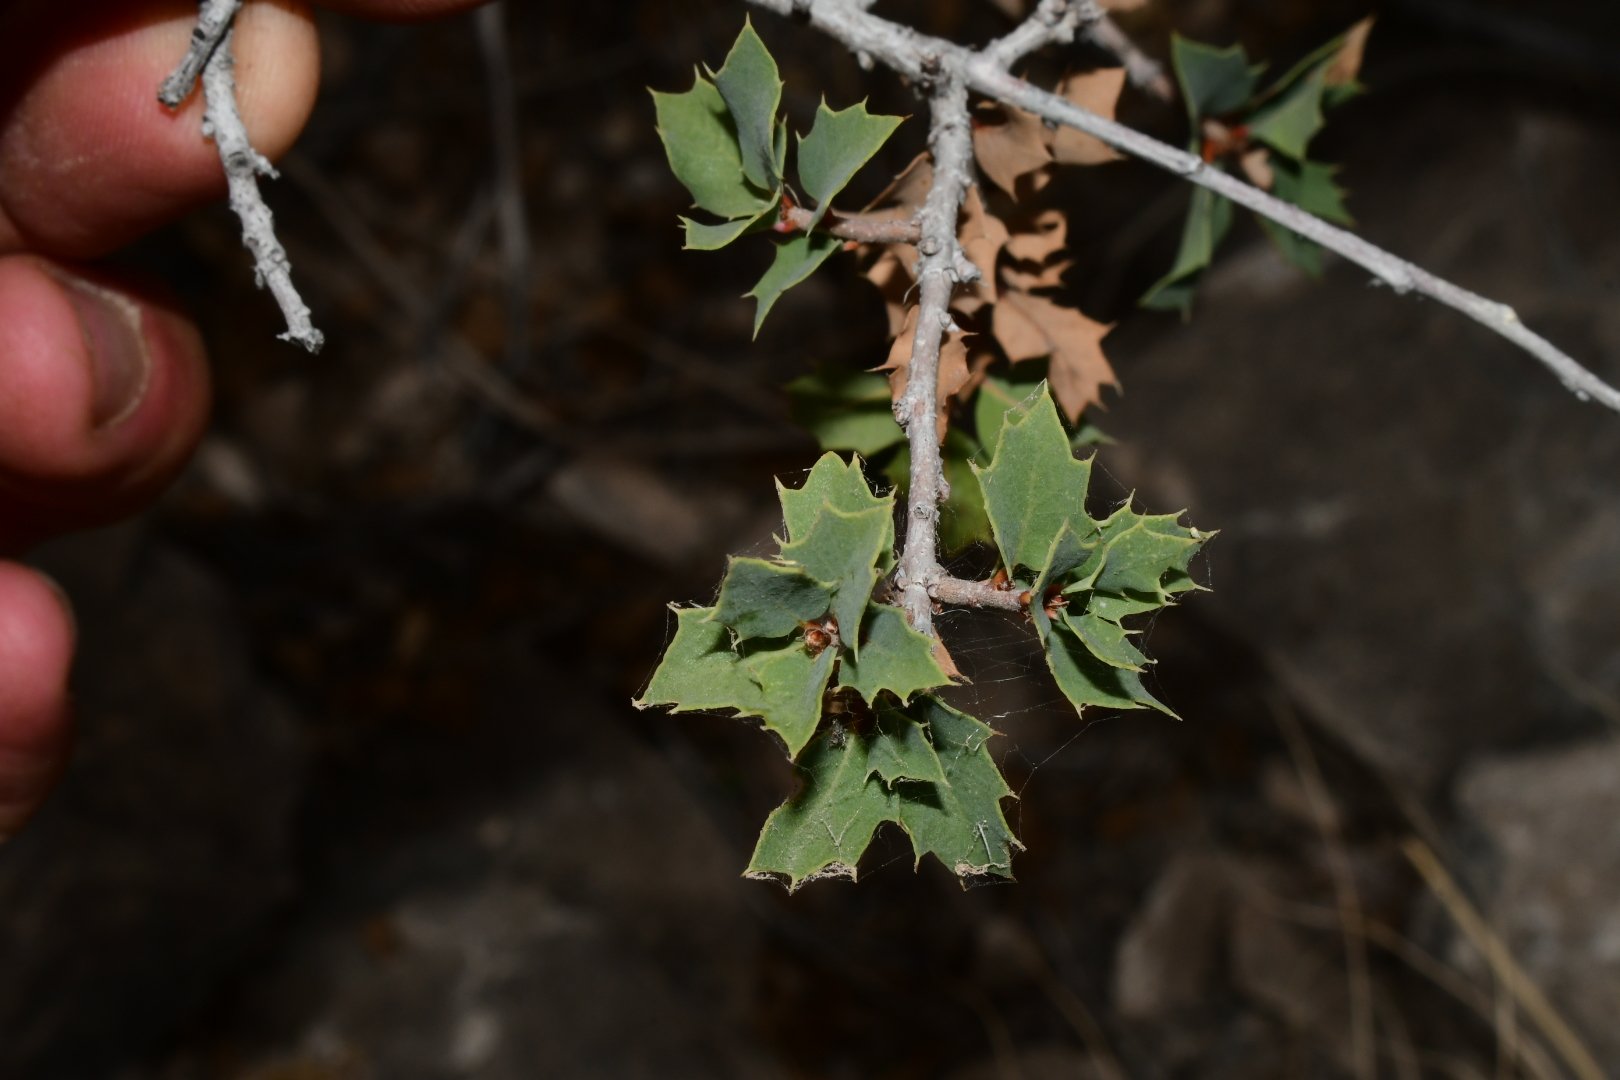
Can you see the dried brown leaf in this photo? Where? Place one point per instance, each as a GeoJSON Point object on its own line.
{"type": "Point", "coordinates": [1009, 143]}
{"type": "Point", "coordinates": [1347, 64]}
{"type": "Point", "coordinates": [1040, 238]}
{"type": "Point", "coordinates": [1095, 91]}
{"type": "Point", "coordinates": [1030, 326]}
{"type": "Point", "coordinates": [893, 283]}
{"type": "Point", "coordinates": [942, 657]}
{"type": "Point", "coordinates": [1256, 165]}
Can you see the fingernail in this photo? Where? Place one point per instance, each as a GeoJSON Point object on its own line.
{"type": "Point", "coordinates": [111, 325]}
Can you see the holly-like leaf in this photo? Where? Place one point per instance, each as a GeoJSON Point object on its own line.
{"type": "Point", "coordinates": [1208, 218]}
{"type": "Point", "coordinates": [1105, 640]}
{"type": "Point", "coordinates": [839, 484]}
{"type": "Point", "coordinates": [846, 411]}
{"type": "Point", "coordinates": [796, 259]}
{"type": "Point", "coordinates": [998, 395]}
{"type": "Point", "coordinates": [1143, 549]}
{"type": "Point", "coordinates": [1071, 549]}
{"type": "Point", "coordinates": [902, 750]}
{"type": "Point", "coordinates": [823, 830]}
{"type": "Point", "coordinates": [762, 599]}
{"type": "Point", "coordinates": [1034, 484]}
{"type": "Point", "coordinates": [894, 657]}
{"type": "Point", "coordinates": [1288, 123]}
{"type": "Point", "coordinates": [752, 89]}
{"type": "Point", "coordinates": [702, 670]}
{"type": "Point", "coordinates": [841, 550]}
{"type": "Point", "coordinates": [839, 143]}
{"type": "Point", "coordinates": [1214, 82]}
{"type": "Point", "coordinates": [701, 236]}
{"type": "Point", "coordinates": [1086, 680]}
{"type": "Point", "coordinates": [959, 821]}
{"type": "Point", "coordinates": [700, 141]}
{"type": "Point", "coordinates": [791, 685]}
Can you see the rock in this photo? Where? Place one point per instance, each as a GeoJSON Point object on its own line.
{"type": "Point", "coordinates": [1554, 819]}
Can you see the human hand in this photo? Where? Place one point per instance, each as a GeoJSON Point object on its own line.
{"type": "Point", "coordinates": [103, 383]}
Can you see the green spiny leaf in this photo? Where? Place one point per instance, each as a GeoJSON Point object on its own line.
{"type": "Point", "coordinates": [752, 89]}
{"type": "Point", "coordinates": [997, 396]}
{"type": "Point", "coordinates": [1107, 641]}
{"type": "Point", "coordinates": [1070, 550]}
{"type": "Point", "coordinates": [1117, 606]}
{"type": "Point", "coordinates": [1086, 680]}
{"type": "Point", "coordinates": [1208, 218]}
{"type": "Point", "coordinates": [1288, 124]}
{"type": "Point", "coordinates": [762, 599]}
{"type": "Point", "coordinates": [1034, 484]}
{"type": "Point", "coordinates": [842, 550]}
{"type": "Point", "coordinates": [902, 750]}
{"type": "Point", "coordinates": [894, 657]}
{"type": "Point", "coordinates": [701, 144]}
{"type": "Point", "coordinates": [839, 484]}
{"type": "Point", "coordinates": [1214, 82]}
{"type": "Point", "coordinates": [959, 821]}
{"type": "Point", "coordinates": [701, 670]}
{"type": "Point", "coordinates": [791, 684]}
{"type": "Point", "coordinates": [839, 143]}
{"type": "Point", "coordinates": [823, 830]}
{"type": "Point", "coordinates": [1142, 549]}
{"type": "Point", "coordinates": [796, 259]}
{"type": "Point", "coordinates": [701, 236]}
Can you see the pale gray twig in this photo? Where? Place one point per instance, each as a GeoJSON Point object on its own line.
{"type": "Point", "coordinates": [214, 19]}
{"type": "Point", "coordinates": [926, 59]}
{"type": "Point", "coordinates": [1144, 72]}
{"type": "Point", "coordinates": [243, 166]}
{"type": "Point", "coordinates": [941, 265]}
{"type": "Point", "coordinates": [1053, 22]}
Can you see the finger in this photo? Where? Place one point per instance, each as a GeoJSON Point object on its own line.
{"type": "Point", "coordinates": [401, 10]}
{"type": "Point", "coordinates": [36, 652]}
{"type": "Point", "coordinates": [89, 159]}
{"type": "Point", "coordinates": [103, 394]}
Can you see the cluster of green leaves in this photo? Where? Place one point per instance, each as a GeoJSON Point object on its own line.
{"type": "Point", "coordinates": [728, 146]}
{"type": "Point", "coordinates": [1221, 85]}
{"type": "Point", "coordinates": [853, 411]}
{"type": "Point", "coordinates": [804, 642]}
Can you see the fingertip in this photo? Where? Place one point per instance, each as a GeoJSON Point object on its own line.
{"type": "Point", "coordinates": [36, 656]}
{"type": "Point", "coordinates": [104, 390]}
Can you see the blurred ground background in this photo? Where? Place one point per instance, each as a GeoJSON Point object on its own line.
{"type": "Point", "coordinates": [359, 792]}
